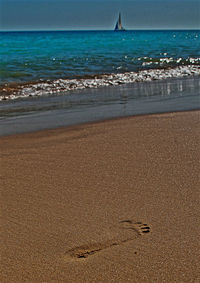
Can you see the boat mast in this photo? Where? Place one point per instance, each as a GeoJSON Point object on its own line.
{"type": "Point", "coordinates": [120, 22]}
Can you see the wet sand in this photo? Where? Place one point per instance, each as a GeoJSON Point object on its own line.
{"type": "Point", "coordinates": [114, 201]}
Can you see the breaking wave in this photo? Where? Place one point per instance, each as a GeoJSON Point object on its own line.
{"type": "Point", "coordinates": [61, 86]}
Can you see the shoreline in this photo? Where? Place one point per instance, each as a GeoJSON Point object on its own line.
{"type": "Point", "coordinates": [90, 123]}
{"type": "Point", "coordinates": [119, 197]}
{"type": "Point", "coordinates": [92, 105]}
{"type": "Point", "coordinates": [13, 90]}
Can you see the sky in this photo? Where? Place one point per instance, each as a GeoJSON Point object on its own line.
{"type": "Point", "coordinates": [98, 14]}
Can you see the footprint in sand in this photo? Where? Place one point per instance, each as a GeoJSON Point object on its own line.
{"type": "Point", "coordinates": [84, 251]}
{"type": "Point", "coordinates": [138, 227]}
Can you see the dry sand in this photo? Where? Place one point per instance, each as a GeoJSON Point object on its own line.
{"type": "Point", "coordinates": [116, 201]}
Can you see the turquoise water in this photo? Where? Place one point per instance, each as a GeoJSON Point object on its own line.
{"type": "Point", "coordinates": [33, 56]}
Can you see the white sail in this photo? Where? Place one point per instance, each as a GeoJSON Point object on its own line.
{"type": "Point", "coordinates": [119, 26]}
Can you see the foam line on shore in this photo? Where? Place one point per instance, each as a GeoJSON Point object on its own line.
{"type": "Point", "coordinates": [63, 85]}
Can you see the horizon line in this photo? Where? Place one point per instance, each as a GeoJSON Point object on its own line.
{"type": "Point", "coordinates": [79, 30]}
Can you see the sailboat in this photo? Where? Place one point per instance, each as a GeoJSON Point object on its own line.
{"type": "Point", "coordinates": [119, 26]}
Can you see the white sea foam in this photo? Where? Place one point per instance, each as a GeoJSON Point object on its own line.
{"type": "Point", "coordinates": [63, 85]}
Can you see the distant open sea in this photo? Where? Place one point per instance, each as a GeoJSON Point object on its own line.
{"type": "Point", "coordinates": [55, 64]}
{"type": "Point", "coordinates": [29, 56]}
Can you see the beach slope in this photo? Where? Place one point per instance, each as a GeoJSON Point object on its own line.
{"type": "Point", "coordinates": [114, 201]}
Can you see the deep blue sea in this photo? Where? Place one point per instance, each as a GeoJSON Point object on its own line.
{"type": "Point", "coordinates": [31, 56]}
{"type": "Point", "coordinates": [78, 74]}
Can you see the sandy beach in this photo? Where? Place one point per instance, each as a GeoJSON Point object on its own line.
{"type": "Point", "coordinates": [114, 201]}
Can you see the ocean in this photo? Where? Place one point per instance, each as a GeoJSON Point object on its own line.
{"type": "Point", "coordinates": [37, 68]}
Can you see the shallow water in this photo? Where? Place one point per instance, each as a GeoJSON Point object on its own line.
{"type": "Point", "coordinates": [81, 106]}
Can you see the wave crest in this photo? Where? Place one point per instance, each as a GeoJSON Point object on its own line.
{"type": "Point", "coordinates": [60, 86]}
